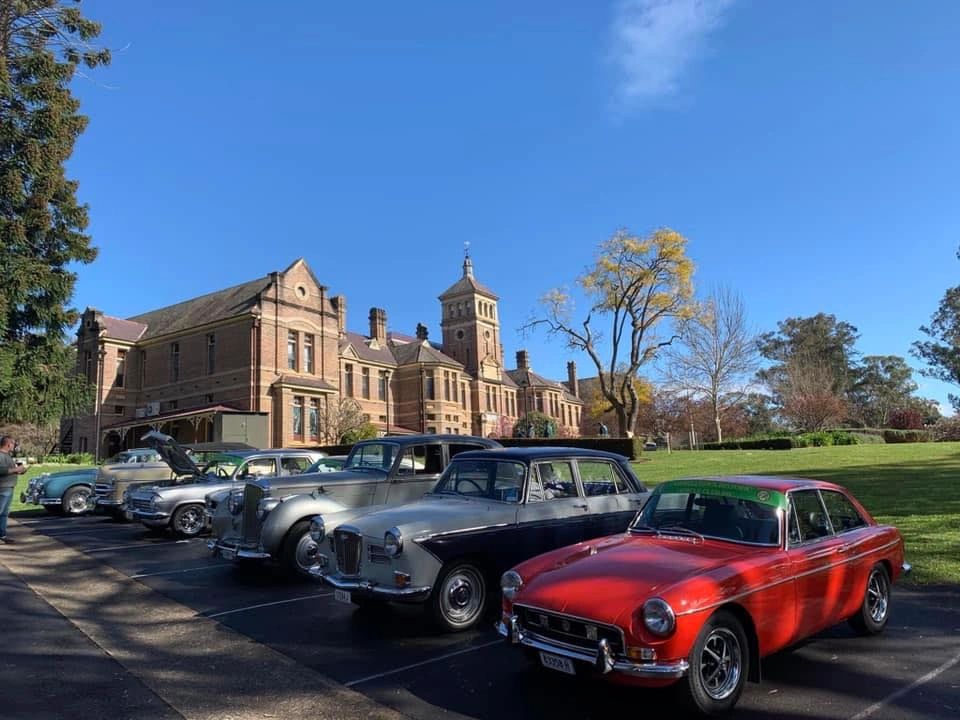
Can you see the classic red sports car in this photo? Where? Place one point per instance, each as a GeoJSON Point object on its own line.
{"type": "Point", "coordinates": [712, 575]}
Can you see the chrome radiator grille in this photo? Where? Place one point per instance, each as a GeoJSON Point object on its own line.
{"type": "Point", "coordinates": [348, 546]}
{"type": "Point", "coordinates": [567, 630]}
{"type": "Point", "coordinates": [250, 530]}
{"type": "Point", "coordinates": [140, 504]}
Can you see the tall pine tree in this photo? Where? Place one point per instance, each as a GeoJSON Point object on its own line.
{"type": "Point", "coordinates": [42, 44]}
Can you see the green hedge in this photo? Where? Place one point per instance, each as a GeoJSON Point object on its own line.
{"type": "Point", "coordinates": [822, 438]}
{"type": "Point", "coordinates": [770, 443]}
{"type": "Point", "coordinates": [906, 436]}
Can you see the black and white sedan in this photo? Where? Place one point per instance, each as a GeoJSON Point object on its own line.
{"type": "Point", "coordinates": [490, 510]}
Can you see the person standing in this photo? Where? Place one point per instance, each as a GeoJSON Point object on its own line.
{"type": "Point", "coordinates": [9, 469]}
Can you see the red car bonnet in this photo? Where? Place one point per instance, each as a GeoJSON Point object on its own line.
{"type": "Point", "coordinates": [607, 579]}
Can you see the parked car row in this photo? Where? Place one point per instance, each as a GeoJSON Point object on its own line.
{"type": "Point", "coordinates": [591, 572]}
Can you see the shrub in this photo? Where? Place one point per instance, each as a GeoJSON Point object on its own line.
{"type": "Point", "coordinates": [946, 429]}
{"type": "Point", "coordinates": [762, 443]}
{"type": "Point", "coordinates": [905, 419]}
{"type": "Point", "coordinates": [906, 436]}
{"type": "Point", "coordinates": [868, 438]}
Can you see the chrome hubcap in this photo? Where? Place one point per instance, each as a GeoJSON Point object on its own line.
{"type": "Point", "coordinates": [306, 553]}
{"type": "Point", "coordinates": [720, 664]}
{"type": "Point", "coordinates": [877, 596]}
{"type": "Point", "coordinates": [191, 521]}
{"type": "Point", "coordinates": [78, 502]}
{"type": "Point", "coordinates": [462, 596]}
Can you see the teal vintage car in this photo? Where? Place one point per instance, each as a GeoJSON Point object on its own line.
{"type": "Point", "coordinates": [64, 492]}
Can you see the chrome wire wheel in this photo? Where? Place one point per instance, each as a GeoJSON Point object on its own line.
{"type": "Point", "coordinates": [189, 520]}
{"type": "Point", "coordinates": [721, 663]}
{"type": "Point", "coordinates": [878, 596]}
{"type": "Point", "coordinates": [462, 596]}
{"type": "Point", "coordinates": [77, 501]}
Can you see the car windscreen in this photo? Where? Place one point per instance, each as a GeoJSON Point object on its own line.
{"type": "Point", "coordinates": [499, 480]}
{"type": "Point", "coordinates": [326, 464]}
{"type": "Point", "coordinates": [372, 455]}
{"type": "Point", "coordinates": [739, 513]}
{"type": "Point", "coordinates": [223, 465]}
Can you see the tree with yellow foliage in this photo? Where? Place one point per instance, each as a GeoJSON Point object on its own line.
{"type": "Point", "coordinates": [638, 285]}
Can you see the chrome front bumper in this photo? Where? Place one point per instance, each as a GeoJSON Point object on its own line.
{"type": "Point", "coordinates": [906, 568]}
{"type": "Point", "coordinates": [602, 660]}
{"type": "Point", "coordinates": [32, 499]}
{"type": "Point", "coordinates": [228, 551]}
{"type": "Point", "coordinates": [149, 515]}
{"type": "Point", "coordinates": [366, 587]}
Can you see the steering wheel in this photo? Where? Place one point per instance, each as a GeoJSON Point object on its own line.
{"type": "Point", "coordinates": [473, 482]}
{"type": "Point", "coordinates": [222, 472]}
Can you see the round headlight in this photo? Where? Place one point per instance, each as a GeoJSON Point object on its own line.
{"type": "Point", "coordinates": [235, 502]}
{"type": "Point", "coordinates": [154, 501]}
{"type": "Point", "coordinates": [510, 584]}
{"type": "Point", "coordinates": [265, 506]}
{"type": "Point", "coordinates": [317, 529]}
{"type": "Point", "coordinates": [393, 542]}
{"type": "Point", "coordinates": [658, 617]}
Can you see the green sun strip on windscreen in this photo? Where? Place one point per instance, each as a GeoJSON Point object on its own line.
{"type": "Point", "coordinates": [764, 496]}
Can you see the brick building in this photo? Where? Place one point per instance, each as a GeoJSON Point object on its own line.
{"type": "Point", "coordinates": [268, 362]}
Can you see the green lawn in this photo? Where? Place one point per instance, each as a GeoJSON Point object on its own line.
{"type": "Point", "coordinates": [913, 486]}
{"type": "Point", "coordinates": [33, 471]}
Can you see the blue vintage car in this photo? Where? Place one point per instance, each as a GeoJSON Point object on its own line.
{"type": "Point", "coordinates": [64, 492]}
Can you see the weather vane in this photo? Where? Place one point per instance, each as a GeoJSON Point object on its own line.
{"type": "Point", "coordinates": [466, 248]}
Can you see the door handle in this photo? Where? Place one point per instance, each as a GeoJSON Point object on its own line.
{"type": "Point", "coordinates": [584, 506]}
{"type": "Point", "coordinates": [843, 549]}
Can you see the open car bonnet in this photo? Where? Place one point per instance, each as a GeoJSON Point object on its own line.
{"type": "Point", "coordinates": [172, 452]}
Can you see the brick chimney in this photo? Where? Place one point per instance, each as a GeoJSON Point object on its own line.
{"type": "Point", "coordinates": [339, 303]}
{"type": "Point", "coordinates": [378, 324]}
{"type": "Point", "coordinates": [572, 381]}
{"type": "Point", "coordinates": [523, 360]}
{"type": "Point", "coordinates": [422, 332]}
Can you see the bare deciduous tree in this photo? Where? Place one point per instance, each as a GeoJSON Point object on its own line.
{"type": "Point", "coordinates": [809, 401]}
{"type": "Point", "coordinates": [339, 417]}
{"type": "Point", "coordinates": [716, 354]}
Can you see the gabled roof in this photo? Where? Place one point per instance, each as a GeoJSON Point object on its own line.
{"type": "Point", "coordinates": [525, 377]}
{"type": "Point", "coordinates": [230, 302]}
{"type": "Point", "coordinates": [120, 329]}
{"type": "Point", "coordinates": [313, 383]}
{"type": "Point", "coordinates": [468, 284]}
{"type": "Point", "coordinates": [422, 352]}
{"type": "Point", "coordinates": [364, 351]}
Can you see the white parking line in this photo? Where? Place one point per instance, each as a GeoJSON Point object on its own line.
{"type": "Point", "coordinates": [177, 572]}
{"type": "Point", "coordinates": [423, 662]}
{"type": "Point", "coordinates": [138, 545]}
{"type": "Point", "coordinates": [909, 688]}
{"type": "Point", "coordinates": [261, 605]}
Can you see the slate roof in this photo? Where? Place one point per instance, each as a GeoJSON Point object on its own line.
{"type": "Point", "coordinates": [361, 346]}
{"type": "Point", "coordinates": [218, 305]}
{"type": "Point", "coordinates": [307, 382]}
{"type": "Point", "coordinates": [120, 329]}
{"type": "Point", "coordinates": [531, 379]}
{"type": "Point", "coordinates": [420, 352]}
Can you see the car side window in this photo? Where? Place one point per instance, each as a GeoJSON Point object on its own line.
{"type": "Point", "coordinates": [599, 477]}
{"type": "Point", "coordinates": [457, 448]}
{"type": "Point", "coordinates": [294, 465]}
{"type": "Point", "coordinates": [260, 467]}
{"type": "Point", "coordinates": [422, 460]}
{"type": "Point", "coordinates": [809, 521]}
{"type": "Point", "coordinates": [843, 515]}
{"type": "Point", "coordinates": [556, 479]}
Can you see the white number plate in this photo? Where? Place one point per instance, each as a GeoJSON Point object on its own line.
{"type": "Point", "coordinates": [555, 662]}
{"type": "Point", "coordinates": [341, 596]}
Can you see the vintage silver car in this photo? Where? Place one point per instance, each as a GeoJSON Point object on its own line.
{"type": "Point", "coordinates": [270, 518]}
{"type": "Point", "coordinates": [180, 507]}
{"type": "Point", "coordinates": [489, 511]}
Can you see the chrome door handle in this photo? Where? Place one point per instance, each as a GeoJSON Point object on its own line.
{"type": "Point", "coordinates": [584, 506]}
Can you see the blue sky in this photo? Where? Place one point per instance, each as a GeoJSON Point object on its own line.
{"type": "Point", "coordinates": [809, 151]}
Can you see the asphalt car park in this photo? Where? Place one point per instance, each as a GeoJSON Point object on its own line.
{"type": "Point", "coordinates": [912, 670]}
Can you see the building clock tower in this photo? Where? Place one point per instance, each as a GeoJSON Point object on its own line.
{"type": "Point", "coordinates": [471, 326]}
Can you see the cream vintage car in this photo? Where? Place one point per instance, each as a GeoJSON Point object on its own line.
{"type": "Point", "coordinates": [489, 511]}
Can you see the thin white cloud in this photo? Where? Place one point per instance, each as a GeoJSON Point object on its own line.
{"type": "Point", "coordinates": [655, 40]}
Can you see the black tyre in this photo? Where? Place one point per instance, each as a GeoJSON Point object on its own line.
{"type": "Point", "coordinates": [74, 500]}
{"type": "Point", "coordinates": [719, 664]}
{"type": "Point", "coordinates": [459, 597]}
{"type": "Point", "coordinates": [188, 521]}
{"type": "Point", "coordinates": [299, 551]}
{"type": "Point", "coordinates": [872, 616]}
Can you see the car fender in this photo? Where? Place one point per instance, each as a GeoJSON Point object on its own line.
{"type": "Point", "coordinates": [288, 512]}
{"type": "Point", "coordinates": [59, 487]}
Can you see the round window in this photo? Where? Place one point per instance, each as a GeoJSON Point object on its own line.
{"type": "Point", "coordinates": [301, 291]}
{"type": "Point", "coordinates": [459, 334]}
{"type": "Point", "coordinates": [487, 334]}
